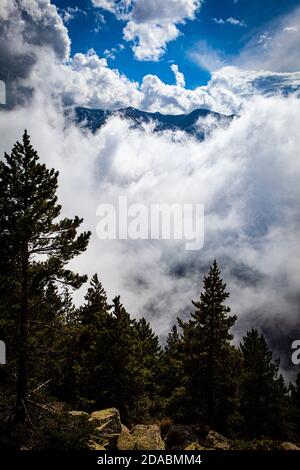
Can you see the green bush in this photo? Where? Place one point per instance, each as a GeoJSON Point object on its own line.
{"type": "Point", "coordinates": [265, 444]}
{"type": "Point", "coordinates": [61, 431]}
{"type": "Point", "coordinates": [14, 437]}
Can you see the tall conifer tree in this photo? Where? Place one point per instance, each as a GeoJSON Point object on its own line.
{"type": "Point", "coordinates": [36, 244]}
{"type": "Point", "coordinates": [210, 361]}
{"type": "Point", "coordinates": [147, 363]}
{"type": "Point", "coordinates": [263, 392]}
{"type": "Point", "coordinates": [295, 405]}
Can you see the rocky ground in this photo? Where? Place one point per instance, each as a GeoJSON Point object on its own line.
{"type": "Point", "coordinates": [110, 433]}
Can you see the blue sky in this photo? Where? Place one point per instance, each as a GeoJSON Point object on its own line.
{"type": "Point", "coordinates": [99, 29]}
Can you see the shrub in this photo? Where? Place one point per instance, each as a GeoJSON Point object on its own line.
{"type": "Point", "coordinates": [61, 431]}
{"type": "Point", "coordinates": [165, 424]}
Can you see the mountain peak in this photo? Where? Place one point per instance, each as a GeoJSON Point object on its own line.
{"type": "Point", "coordinates": [198, 123]}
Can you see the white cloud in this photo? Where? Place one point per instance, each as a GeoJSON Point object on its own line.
{"type": "Point", "coordinates": [246, 84]}
{"type": "Point", "coordinates": [70, 13]}
{"type": "Point", "coordinates": [99, 22]}
{"type": "Point", "coordinates": [219, 20]}
{"type": "Point", "coordinates": [113, 52]}
{"type": "Point", "coordinates": [6, 8]}
{"type": "Point", "coordinates": [179, 77]}
{"type": "Point", "coordinates": [230, 20]}
{"type": "Point", "coordinates": [158, 10]}
{"type": "Point", "coordinates": [264, 40]}
{"type": "Point", "coordinates": [291, 29]}
{"type": "Point", "coordinates": [110, 53]}
{"type": "Point", "coordinates": [27, 28]}
{"type": "Point", "coordinates": [158, 96]}
{"type": "Point", "coordinates": [108, 5]}
{"type": "Point", "coordinates": [151, 40]}
{"type": "Point", "coordinates": [236, 22]}
{"type": "Point", "coordinates": [87, 80]}
{"type": "Point", "coordinates": [206, 57]}
{"type": "Point", "coordinates": [151, 24]}
{"type": "Point", "coordinates": [276, 48]}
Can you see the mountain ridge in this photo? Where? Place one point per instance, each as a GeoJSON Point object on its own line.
{"type": "Point", "coordinates": [198, 123]}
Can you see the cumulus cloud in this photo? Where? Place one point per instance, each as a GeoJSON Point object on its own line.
{"type": "Point", "coordinates": [179, 77]}
{"type": "Point", "coordinates": [36, 57]}
{"type": "Point", "coordinates": [88, 80]}
{"type": "Point", "coordinates": [151, 24]}
{"type": "Point", "coordinates": [108, 5]}
{"type": "Point", "coordinates": [6, 8]}
{"type": "Point", "coordinates": [246, 84]}
{"type": "Point", "coordinates": [150, 39]}
{"type": "Point", "coordinates": [118, 7]}
{"type": "Point", "coordinates": [159, 96]}
{"type": "Point", "coordinates": [27, 27]}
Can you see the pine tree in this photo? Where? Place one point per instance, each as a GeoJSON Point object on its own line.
{"type": "Point", "coordinates": [295, 405]}
{"type": "Point", "coordinates": [173, 361]}
{"type": "Point", "coordinates": [91, 363]}
{"type": "Point", "coordinates": [173, 379]}
{"type": "Point", "coordinates": [263, 392]}
{"type": "Point", "coordinates": [211, 363]}
{"type": "Point", "coordinates": [147, 363]}
{"type": "Point", "coordinates": [118, 358]}
{"type": "Point", "coordinates": [53, 329]}
{"type": "Point", "coordinates": [124, 383]}
{"type": "Point", "coordinates": [96, 305]}
{"type": "Point", "coordinates": [36, 245]}
{"type": "Point", "coordinates": [45, 331]}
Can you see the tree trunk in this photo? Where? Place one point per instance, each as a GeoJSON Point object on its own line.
{"type": "Point", "coordinates": [22, 353]}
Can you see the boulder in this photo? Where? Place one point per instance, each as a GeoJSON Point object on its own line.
{"type": "Point", "coordinates": [58, 406]}
{"type": "Point", "coordinates": [76, 413]}
{"type": "Point", "coordinates": [289, 446]}
{"type": "Point", "coordinates": [216, 441]}
{"type": "Point", "coordinates": [107, 421]}
{"type": "Point", "coordinates": [107, 427]}
{"type": "Point", "coordinates": [194, 446]}
{"type": "Point", "coordinates": [54, 407]}
{"type": "Point", "coordinates": [95, 446]}
{"type": "Point", "coordinates": [125, 440]}
{"type": "Point", "coordinates": [147, 437]}
{"type": "Point", "coordinates": [179, 437]}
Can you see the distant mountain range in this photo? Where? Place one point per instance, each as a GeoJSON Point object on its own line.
{"type": "Point", "coordinates": [199, 123]}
